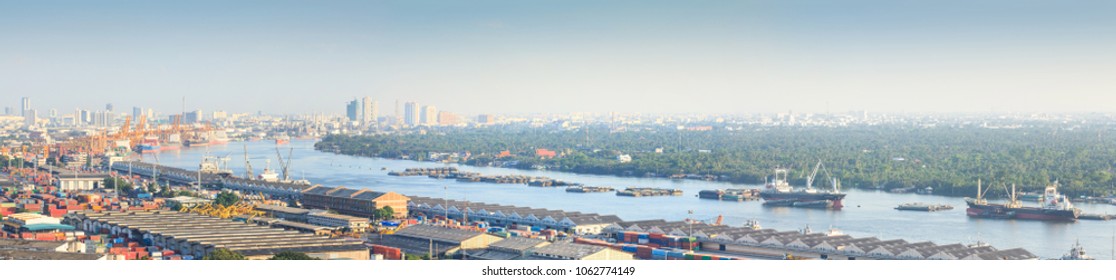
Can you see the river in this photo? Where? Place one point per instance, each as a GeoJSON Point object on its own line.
{"type": "Point", "coordinates": [866, 213]}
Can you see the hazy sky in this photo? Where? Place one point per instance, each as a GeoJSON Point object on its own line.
{"type": "Point", "coordinates": [562, 56]}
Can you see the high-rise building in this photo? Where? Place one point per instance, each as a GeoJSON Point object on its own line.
{"type": "Point", "coordinates": [429, 115]}
{"type": "Point", "coordinates": [193, 117]}
{"type": "Point", "coordinates": [31, 117]}
{"type": "Point", "coordinates": [86, 116]}
{"type": "Point", "coordinates": [108, 107]}
{"type": "Point", "coordinates": [411, 113]}
{"type": "Point", "coordinates": [368, 114]}
{"type": "Point", "coordinates": [25, 106]}
{"type": "Point", "coordinates": [220, 115]}
{"type": "Point", "coordinates": [7, 111]}
{"type": "Point", "coordinates": [136, 113]}
{"type": "Point", "coordinates": [150, 114]}
{"type": "Point", "coordinates": [485, 119]}
{"type": "Point", "coordinates": [53, 113]}
{"type": "Point", "coordinates": [352, 110]}
{"type": "Point", "coordinates": [447, 118]}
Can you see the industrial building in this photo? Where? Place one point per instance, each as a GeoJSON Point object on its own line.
{"type": "Point", "coordinates": [270, 188]}
{"type": "Point", "coordinates": [503, 215]}
{"type": "Point", "coordinates": [832, 244]}
{"type": "Point", "coordinates": [79, 182]}
{"type": "Point", "coordinates": [574, 251]}
{"type": "Point", "coordinates": [283, 212]}
{"type": "Point", "coordinates": [337, 221]}
{"type": "Point", "coordinates": [17, 249]}
{"type": "Point", "coordinates": [186, 202]}
{"type": "Point", "coordinates": [197, 235]}
{"type": "Point", "coordinates": [437, 241]}
{"type": "Point", "coordinates": [32, 222]}
{"type": "Point", "coordinates": [356, 202]}
{"type": "Point", "coordinates": [508, 249]}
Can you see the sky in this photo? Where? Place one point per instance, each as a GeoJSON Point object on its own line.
{"type": "Point", "coordinates": [474, 57]}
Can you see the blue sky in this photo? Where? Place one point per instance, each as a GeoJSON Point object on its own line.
{"type": "Point", "coordinates": [562, 56]}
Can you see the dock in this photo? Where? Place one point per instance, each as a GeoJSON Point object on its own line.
{"type": "Point", "coordinates": [640, 192]}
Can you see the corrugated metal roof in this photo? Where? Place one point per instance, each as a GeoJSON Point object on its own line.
{"type": "Point", "coordinates": [41, 227]}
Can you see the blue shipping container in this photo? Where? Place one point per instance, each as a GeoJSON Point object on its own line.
{"type": "Point", "coordinates": [188, 257]}
{"type": "Point", "coordinates": [657, 252]}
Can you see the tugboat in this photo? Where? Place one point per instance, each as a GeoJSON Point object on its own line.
{"type": "Point", "coordinates": [779, 192]}
{"type": "Point", "coordinates": [1076, 253]}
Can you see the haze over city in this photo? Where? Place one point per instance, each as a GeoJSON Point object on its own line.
{"type": "Point", "coordinates": [581, 56]}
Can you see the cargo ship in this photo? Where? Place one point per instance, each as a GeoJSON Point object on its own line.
{"type": "Point", "coordinates": [150, 144]}
{"type": "Point", "coordinates": [779, 192]}
{"type": "Point", "coordinates": [1054, 207]}
{"type": "Point", "coordinates": [219, 137]}
{"type": "Point", "coordinates": [196, 141]}
{"type": "Point", "coordinates": [173, 142]}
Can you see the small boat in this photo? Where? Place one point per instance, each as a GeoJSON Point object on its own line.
{"type": "Point", "coordinates": [1098, 217]}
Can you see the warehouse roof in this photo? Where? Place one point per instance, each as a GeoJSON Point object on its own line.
{"type": "Point", "coordinates": [415, 246]}
{"type": "Point", "coordinates": [42, 227]}
{"type": "Point", "coordinates": [569, 250]}
{"type": "Point", "coordinates": [339, 216]}
{"type": "Point", "coordinates": [517, 243]}
{"type": "Point", "coordinates": [1010, 254]}
{"type": "Point", "coordinates": [282, 209]}
{"type": "Point", "coordinates": [21, 244]}
{"type": "Point", "coordinates": [443, 234]}
{"type": "Point", "coordinates": [43, 255]}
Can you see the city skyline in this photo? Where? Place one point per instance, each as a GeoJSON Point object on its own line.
{"type": "Point", "coordinates": [503, 57]}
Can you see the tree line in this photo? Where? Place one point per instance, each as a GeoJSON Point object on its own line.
{"type": "Point", "coordinates": [950, 159]}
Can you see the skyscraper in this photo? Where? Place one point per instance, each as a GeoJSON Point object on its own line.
{"type": "Point", "coordinates": [53, 113]}
{"type": "Point", "coordinates": [31, 117]}
{"type": "Point", "coordinates": [7, 111]}
{"type": "Point", "coordinates": [411, 113]}
{"type": "Point", "coordinates": [352, 110]}
{"type": "Point", "coordinates": [193, 117]}
{"type": "Point", "coordinates": [108, 107]}
{"type": "Point", "coordinates": [367, 111]}
{"type": "Point", "coordinates": [25, 107]}
{"type": "Point", "coordinates": [429, 115]}
{"type": "Point", "coordinates": [136, 113]}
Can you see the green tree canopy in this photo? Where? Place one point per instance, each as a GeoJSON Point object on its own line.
{"type": "Point", "coordinates": [223, 254]}
{"type": "Point", "coordinates": [384, 213]}
{"type": "Point", "coordinates": [290, 255]}
{"type": "Point", "coordinates": [226, 199]}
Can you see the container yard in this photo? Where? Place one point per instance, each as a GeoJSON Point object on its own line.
{"type": "Point", "coordinates": [196, 236]}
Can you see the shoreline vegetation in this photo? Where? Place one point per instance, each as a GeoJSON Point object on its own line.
{"type": "Point", "coordinates": [948, 159]}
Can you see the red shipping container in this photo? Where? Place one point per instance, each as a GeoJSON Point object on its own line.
{"type": "Point", "coordinates": [168, 253]}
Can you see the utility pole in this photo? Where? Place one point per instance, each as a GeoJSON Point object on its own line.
{"type": "Point", "coordinates": [690, 221]}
